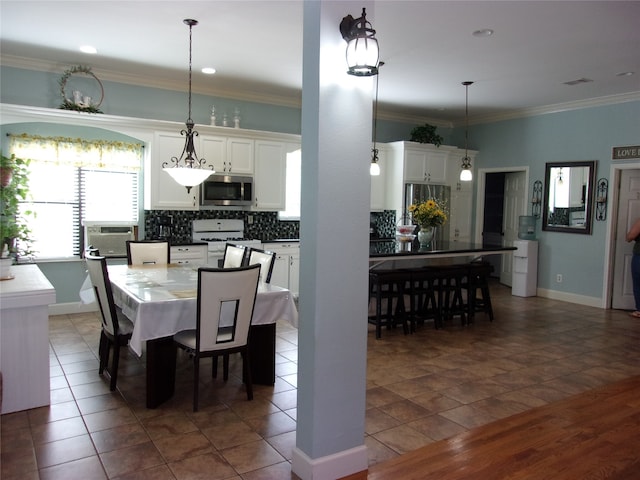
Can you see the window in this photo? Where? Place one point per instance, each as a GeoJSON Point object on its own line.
{"type": "Point", "coordinates": [292, 198]}
{"type": "Point", "coordinates": [72, 181]}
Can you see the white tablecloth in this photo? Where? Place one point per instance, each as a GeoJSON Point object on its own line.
{"type": "Point", "coordinates": [161, 300]}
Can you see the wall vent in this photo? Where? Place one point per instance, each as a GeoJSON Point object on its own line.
{"type": "Point", "coordinates": [578, 81]}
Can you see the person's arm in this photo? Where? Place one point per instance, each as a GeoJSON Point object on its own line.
{"type": "Point", "coordinates": [634, 231]}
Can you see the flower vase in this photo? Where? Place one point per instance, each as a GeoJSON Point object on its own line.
{"type": "Point", "coordinates": [425, 235]}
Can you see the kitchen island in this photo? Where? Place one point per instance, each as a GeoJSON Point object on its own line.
{"type": "Point", "coordinates": [24, 338]}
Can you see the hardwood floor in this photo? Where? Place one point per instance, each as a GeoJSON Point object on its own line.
{"type": "Point", "coordinates": [592, 435]}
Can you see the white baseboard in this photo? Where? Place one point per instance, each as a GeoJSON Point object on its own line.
{"type": "Point", "coordinates": [571, 298]}
{"type": "Point", "coordinates": [331, 467]}
{"type": "Point", "coordinates": [72, 307]}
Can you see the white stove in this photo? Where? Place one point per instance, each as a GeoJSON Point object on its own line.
{"type": "Point", "coordinates": [217, 233]}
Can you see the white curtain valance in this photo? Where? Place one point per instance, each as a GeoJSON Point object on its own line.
{"type": "Point", "coordinates": [77, 152]}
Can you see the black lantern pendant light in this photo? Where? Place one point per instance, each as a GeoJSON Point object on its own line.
{"type": "Point", "coordinates": [188, 170]}
{"type": "Point", "coordinates": [362, 46]}
{"type": "Point", "coordinates": [465, 174]}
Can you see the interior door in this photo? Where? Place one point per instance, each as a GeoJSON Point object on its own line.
{"type": "Point", "coordinates": [514, 206]}
{"type": "Point", "coordinates": [628, 213]}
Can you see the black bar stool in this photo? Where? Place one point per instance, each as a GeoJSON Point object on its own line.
{"type": "Point", "coordinates": [479, 273]}
{"type": "Point", "coordinates": [389, 285]}
{"type": "Point", "coordinates": [424, 304]}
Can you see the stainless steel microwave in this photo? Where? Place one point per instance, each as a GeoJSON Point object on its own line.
{"type": "Point", "coordinates": [226, 190]}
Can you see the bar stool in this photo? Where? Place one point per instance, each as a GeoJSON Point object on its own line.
{"type": "Point", "coordinates": [479, 273]}
{"type": "Point", "coordinates": [451, 279]}
{"type": "Point", "coordinates": [389, 285]}
{"type": "Point", "coordinates": [424, 304]}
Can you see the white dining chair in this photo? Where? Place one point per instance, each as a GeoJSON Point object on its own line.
{"type": "Point", "coordinates": [116, 328]}
{"type": "Point", "coordinates": [265, 259]}
{"type": "Point", "coordinates": [225, 302]}
{"type": "Point", "coordinates": [233, 256]}
{"type": "Point", "coordinates": [142, 252]}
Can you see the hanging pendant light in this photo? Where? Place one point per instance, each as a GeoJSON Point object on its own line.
{"type": "Point", "coordinates": [362, 46]}
{"type": "Point", "coordinates": [374, 168]}
{"type": "Point", "coordinates": [188, 170]}
{"type": "Point", "coordinates": [465, 174]}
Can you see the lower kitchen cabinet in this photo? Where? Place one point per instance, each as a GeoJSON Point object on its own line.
{"type": "Point", "coordinates": [286, 269]}
{"type": "Point", "coordinates": [194, 254]}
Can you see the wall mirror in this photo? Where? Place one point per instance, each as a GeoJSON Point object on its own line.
{"type": "Point", "coordinates": [568, 197]}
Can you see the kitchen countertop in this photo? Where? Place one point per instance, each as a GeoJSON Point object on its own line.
{"type": "Point", "coordinates": [393, 250]}
{"type": "Point", "coordinates": [282, 240]}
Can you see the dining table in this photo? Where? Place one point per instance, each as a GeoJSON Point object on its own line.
{"type": "Point", "coordinates": [161, 300]}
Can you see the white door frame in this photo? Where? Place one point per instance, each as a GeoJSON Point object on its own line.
{"type": "Point", "coordinates": [612, 220]}
{"type": "Point", "coordinates": [482, 181]}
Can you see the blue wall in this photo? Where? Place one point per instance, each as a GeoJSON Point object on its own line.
{"type": "Point", "coordinates": [584, 134]}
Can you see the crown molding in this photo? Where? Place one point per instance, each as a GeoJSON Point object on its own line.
{"type": "Point", "coordinates": [554, 108]}
{"type": "Point", "coordinates": [293, 101]}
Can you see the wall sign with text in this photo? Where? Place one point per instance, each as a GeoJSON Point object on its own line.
{"type": "Point", "coordinates": [625, 153]}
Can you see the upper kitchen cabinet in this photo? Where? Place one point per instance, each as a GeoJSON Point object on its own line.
{"type": "Point", "coordinates": [271, 174]}
{"type": "Point", "coordinates": [161, 192]}
{"type": "Point", "coordinates": [421, 163]}
{"type": "Point", "coordinates": [214, 150]}
{"type": "Point", "coordinates": [239, 156]}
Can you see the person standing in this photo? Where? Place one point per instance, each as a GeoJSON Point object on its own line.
{"type": "Point", "coordinates": [634, 235]}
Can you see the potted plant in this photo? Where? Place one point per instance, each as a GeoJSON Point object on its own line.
{"type": "Point", "coordinates": [426, 134]}
{"type": "Point", "coordinates": [6, 170]}
{"type": "Point", "coordinates": [14, 231]}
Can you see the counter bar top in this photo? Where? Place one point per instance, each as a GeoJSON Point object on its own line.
{"type": "Point", "coordinates": [380, 251]}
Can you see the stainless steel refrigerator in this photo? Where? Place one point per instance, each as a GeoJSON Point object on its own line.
{"type": "Point", "coordinates": [418, 193]}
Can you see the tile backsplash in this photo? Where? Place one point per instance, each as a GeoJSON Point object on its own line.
{"type": "Point", "coordinates": [264, 226]}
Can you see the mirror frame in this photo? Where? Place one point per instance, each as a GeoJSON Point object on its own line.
{"type": "Point", "coordinates": [591, 165]}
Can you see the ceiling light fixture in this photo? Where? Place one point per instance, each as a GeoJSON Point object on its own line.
{"type": "Point", "coordinates": [88, 49]}
{"type": "Point", "coordinates": [209, 70]}
{"type": "Point", "coordinates": [374, 168]}
{"type": "Point", "coordinates": [362, 46]}
{"type": "Point", "coordinates": [188, 170]}
{"type": "Point", "coordinates": [465, 174]}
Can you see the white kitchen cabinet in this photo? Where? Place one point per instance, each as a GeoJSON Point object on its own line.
{"type": "Point", "coordinates": [423, 164]}
{"type": "Point", "coordinates": [239, 156]}
{"type": "Point", "coordinates": [189, 254]}
{"type": "Point", "coordinates": [378, 188]}
{"type": "Point", "coordinates": [460, 215]}
{"type": "Point", "coordinates": [214, 150]}
{"type": "Point", "coordinates": [286, 269]}
{"type": "Point", "coordinates": [161, 191]}
{"type": "Point", "coordinates": [270, 175]}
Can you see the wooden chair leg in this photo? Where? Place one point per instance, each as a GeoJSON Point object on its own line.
{"type": "Point", "coordinates": [196, 381]}
{"type": "Point", "coordinates": [246, 365]}
{"type": "Point", "coordinates": [225, 367]}
{"type": "Point", "coordinates": [115, 364]}
{"type": "Point", "coordinates": [103, 352]}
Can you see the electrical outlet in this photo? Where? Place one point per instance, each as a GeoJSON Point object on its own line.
{"type": "Point", "coordinates": [559, 278]}
{"type": "Point", "coordinates": [250, 219]}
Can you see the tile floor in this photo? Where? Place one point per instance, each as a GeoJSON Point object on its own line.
{"type": "Point", "coordinates": [420, 388]}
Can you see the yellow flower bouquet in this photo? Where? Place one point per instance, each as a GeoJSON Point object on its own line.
{"type": "Point", "coordinates": [430, 213]}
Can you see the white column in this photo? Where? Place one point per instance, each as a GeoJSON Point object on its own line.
{"type": "Point", "coordinates": [336, 152]}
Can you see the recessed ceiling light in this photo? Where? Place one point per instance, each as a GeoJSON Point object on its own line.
{"type": "Point", "coordinates": [483, 32]}
{"type": "Point", "coordinates": [624, 74]}
{"type": "Point", "coordinates": [209, 70]}
{"type": "Point", "coordinates": [88, 49]}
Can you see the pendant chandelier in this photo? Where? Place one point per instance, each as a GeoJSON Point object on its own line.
{"type": "Point", "coordinates": [188, 170]}
{"type": "Point", "coordinates": [362, 46]}
{"type": "Point", "coordinates": [465, 174]}
{"type": "Point", "coordinates": [374, 168]}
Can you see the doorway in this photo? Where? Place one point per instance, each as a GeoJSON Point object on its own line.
{"type": "Point", "coordinates": [626, 208]}
{"type": "Point", "coordinates": [502, 195]}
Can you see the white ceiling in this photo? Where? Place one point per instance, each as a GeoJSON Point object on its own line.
{"type": "Point", "coordinates": [427, 46]}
